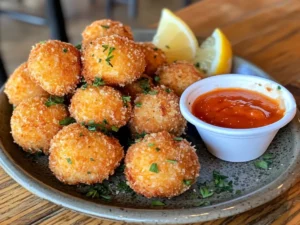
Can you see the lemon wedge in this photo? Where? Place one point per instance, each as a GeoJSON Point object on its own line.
{"type": "Point", "coordinates": [215, 54]}
{"type": "Point", "coordinates": [175, 38]}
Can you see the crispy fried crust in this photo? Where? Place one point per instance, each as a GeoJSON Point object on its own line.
{"type": "Point", "coordinates": [158, 111]}
{"type": "Point", "coordinates": [177, 165]}
{"type": "Point", "coordinates": [55, 66]}
{"type": "Point", "coordinates": [78, 155]}
{"type": "Point", "coordinates": [19, 86]}
{"type": "Point", "coordinates": [102, 28]}
{"type": "Point", "coordinates": [154, 56]}
{"type": "Point", "coordinates": [100, 104]}
{"type": "Point", "coordinates": [179, 75]}
{"type": "Point", "coordinates": [33, 124]}
{"type": "Point", "coordinates": [115, 59]}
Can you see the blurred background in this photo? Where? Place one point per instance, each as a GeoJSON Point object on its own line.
{"type": "Point", "coordinates": [46, 19]}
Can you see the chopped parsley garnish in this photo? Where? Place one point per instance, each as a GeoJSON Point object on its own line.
{"type": "Point", "coordinates": [92, 159]}
{"type": "Point", "coordinates": [157, 149]}
{"type": "Point", "coordinates": [105, 47]}
{"type": "Point", "coordinates": [105, 26]}
{"type": "Point", "coordinates": [140, 135]}
{"type": "Point", "coordinates": [84, 86]}
{"type": "Point", "coordinates": [88, 172]}
{"type": "Point", "coordinates": [156, 78]}
{"type": "Point", "coordinates": [154, 168]}
{"type": "Point", "coordinates": [168, 90]}
{"type": "Point", "coordinates": [99, 60]}
{"type": "Point", "coordinates": [197, 64]}
{"type": "Point", "coordinates": [123, 187]}
{"type": "Point", "coordinates": [121, 168]}
{"type": "Point", "coordinates": [138, 104]}
{"type": "Point", "coordinates": [65, 50]}
{"type": "Point", "coordinates": [187, 182]}
{"type": "Point", "coordinates": [151, 144]}
{"type": "Point", "coordinates": [154, 92]}
{"type": "Point", "coordinates": [178, 138]}
{"type": "Point", "coordinates": [97, 191]}
{"type": "Point", "coordinates": [167, 46]}
{"type": "Point", "coordinates": [93, 55]}
{"type": "Point", "coordinates": [114, 128]}
{"type": "Point", "coordinates": [81, 134]}
{"type": "Point", "coordinates": [98, 82]}
{"type": "Point", "coordinates": [110, 56]}
{"type": "Point", "coordinates": [155, 49]}
{"type": "Point", "coordinates": [171, 161]}
{"type": "Point", "coordinates": [221, 184]}
{"type": "Point", "coordinates": [157, 203]}
{"type": "Point", "coordinates": [78, 46]}
{"type": "Point", "coordinates": [238, 192]}
{"type": "Point", "coordinates": [265, 162]}
{"type": "Point", "coordinates": [69, 160]}
{"type": "Point", "coordinates": [126, 99]}
{"type": "Point", "coordinates": [43, 42]}
{"type": "Point", "coordinates": [54, 100]}
{"type": "Point", "coordinates": [66, 121]}
{"type": "Point", "coordinates": [92, 126]}
{"type": "Point", "coordinates": [202, 203]}
{"type": "Point", "coordinates": [205, 192]}
{"type": "Point", "coordinates": [278, 87]}
{"type": "Point", "coordinates": [144, 84]}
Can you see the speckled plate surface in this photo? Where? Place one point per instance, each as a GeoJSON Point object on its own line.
{"type": "Point", "coordinates": [252, 186]}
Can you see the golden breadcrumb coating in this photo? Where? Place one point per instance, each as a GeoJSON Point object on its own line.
{"type": "Point", "coordinates": [142, 85]}
{"type": "Point", "coordinates": [19, 86]}
{"type": "Point", "coordinates": [154, 56]}
{"type": "Point", "coordinates": [115, 59]}
{"type": "Point", "coordinates": [33, 124]}
{"type": "Point", "coordinates": [179, 75]}
{"type": "Point", "coordinates": [55, 66]}
{"type": "Point", "coordinates": [157, 111]}
{"type": "Point", "coordinates": [106, 27]}
{"type": "Point", "coordinates": [160, 166]}
{"type": "Point", "coordinates": [78, 155]}
{"type": "Point", "coordinates": [100, 104]}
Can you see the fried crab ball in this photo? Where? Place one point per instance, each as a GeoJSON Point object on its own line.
{"type": "Point", "coordinates": [20, 86]}
{"type": "Point", "coordinates": [156, 111]}
{"type": "Point", "coordinates": [33, 124]}
{"type": "Point", "coordinates": [178, 75]}
{"type": "Point", "coordinates": [102, 28]}
{"type": "Point", "coordinates": [142, 85]}
{"type": "Point", "coordinates": [154, 56]}
{"type": "Point", "coordinates": [55, 66]}
{"type": "Point", "coordinates": [78, 155]}
{"type": "Point", "coordinates": [161, 165]}
{"type": "Point", "coordinates": [101, 105]}
{"type": "Point", "coordinates": [115, 59]}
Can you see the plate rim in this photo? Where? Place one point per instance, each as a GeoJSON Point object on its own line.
{"type": "Point", "coordinates": [159, 216]}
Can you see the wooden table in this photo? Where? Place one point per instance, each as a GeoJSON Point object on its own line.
{"type": "Point", "coordinates": [266, 32]}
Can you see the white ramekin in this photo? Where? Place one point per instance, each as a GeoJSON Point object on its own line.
{"type": "Point", "coordinates": [237, 145]}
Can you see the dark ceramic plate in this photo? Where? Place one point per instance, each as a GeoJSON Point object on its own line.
{"type": "Point", "coordinates": [251, 186]}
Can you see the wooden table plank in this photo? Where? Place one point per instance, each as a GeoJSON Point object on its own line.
{"type": "Point", "coordinates": [266, 32]}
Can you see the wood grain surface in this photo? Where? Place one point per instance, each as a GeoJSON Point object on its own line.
{"type": "Point", "coordinates": [266, 32]}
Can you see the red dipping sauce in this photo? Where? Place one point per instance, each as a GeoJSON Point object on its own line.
{"type": "Point", "coordinates": [236, 108]}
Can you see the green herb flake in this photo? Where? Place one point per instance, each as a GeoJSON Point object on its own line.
{"type": "Point", "coordinates": [167, 46]}
{"type": "Point", "coordinates": [114, 128]}
{"type": "Point", "coordinates": [92, 126]}
{"type": "Point", "coordinates": [126, 99]}
{"type": "Point", "coordinates": [151, 144]}
{"type": "Point", "coordinates": [99, 190]}
{"type": "Point", "coordinates": [178, 138]}
{"type": "Point", "coordinates": [157, 149]}
{"type": "Point", "coordinates": [42, 42]}
{"type": "Point", "coordinates": [157, 203]}
{"type": "Point", "coordinates": [261, 164]}
{"type": "Point", "coordinates": [78, 46]}
{"type": "Point", "coordinates": [123, 187]}
{"type": "Point", "coordinates": [238, 192]}
{"type": "Point", "coordinates": [54, 100]}
{"type": "Point", "coordinates": [187, 182]}
{"type": "Point", "coordinates": [156, 78]}
{"type": "Point", "coordinates": [168, 90]}
{"type": "Point", "coordinates": [144, 84]}
{"type": "Point", "coordinates": [154, 92]}
{"type": "Point", "coordinates": [107, 197]}
{"type": "Point", "coordinates": [65, 50]}
{"type": "Point", "coordinates": [154, 168]}
{"type": "Point", "coordinates": [221, 184]}
{"type": "Point", "coordinates": [202, 203]}
{"type": "Point", "coordinates": [81, 134]}
{"type": "Point", "coordinates": [84, 86]}
{"type": "Point", "coordinates": [105, 26]}
{"type": "Point", "coordinates": [88, 172]}
{"type": "Point", "coordinates": [105, 47]}
{"type": "Point", "coordinates": [278, 87]}
{"type": "Point", "coordinates": [172, 161]}
{"type": "Point", "coordinates": [155, 49]}
{"type": "Point", "coordinates": [92, 159]}
{"type": "Point", "coordinates": [69, 160]}
{"type": "Point", "coordinates": [205, 192]}
{"type": "Point", "coordinates": [138, 104]}
{"type": "Point", "coordinates": [99, 60]}
{"type": "Point", "coordinates": [66, 121]}
{"type": "Point", "coordinates": [98, 82]}
{"type": "Point", "coordinates": [197, 65]}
